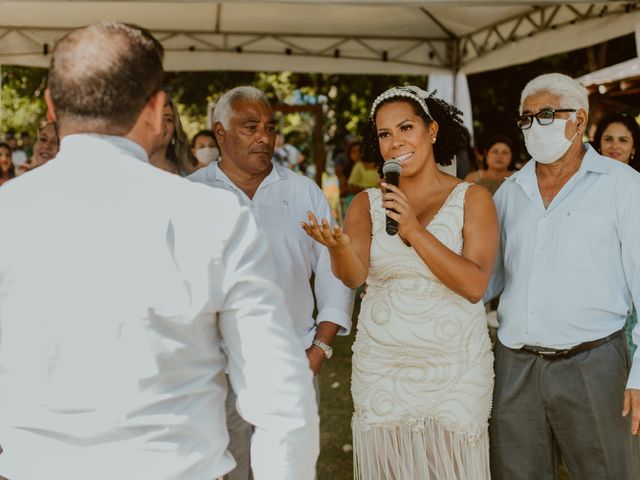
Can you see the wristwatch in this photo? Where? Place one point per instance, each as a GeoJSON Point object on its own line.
{"type": "Point", "coordinates": [328, 351]}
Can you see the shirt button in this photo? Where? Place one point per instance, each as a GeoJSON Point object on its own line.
{"type": "Point", "coordinates": [533, 312]}
{"type": "Point", "coordinates": [534, 278]}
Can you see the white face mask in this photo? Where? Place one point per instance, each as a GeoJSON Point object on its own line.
{"type": "Point", "coordinates": [207, 155]}
{"type": "Point", "coordinates": [547, 143]}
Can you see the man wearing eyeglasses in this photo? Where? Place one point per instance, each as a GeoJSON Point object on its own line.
{"type": "Point", "coordinates": [568, 270]}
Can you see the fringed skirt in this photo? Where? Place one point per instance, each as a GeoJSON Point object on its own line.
{"type": "Point", "coordinates": [425, 452]}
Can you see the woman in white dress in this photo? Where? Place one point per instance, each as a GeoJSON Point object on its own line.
{"type": "Point", "coordinates": [422, 364]}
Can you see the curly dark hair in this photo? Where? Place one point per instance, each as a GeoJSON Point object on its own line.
{"type": "Point", "coordinates": [451, 132]}
{"type": "Point", "coordinates": [630, 123]}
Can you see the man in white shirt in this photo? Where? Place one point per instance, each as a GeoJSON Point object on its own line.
{"type": "Point", "coordinates": [569, 271]}
{"type": "Point", "coordinates": [245, 130]}
{"type": "Point", "coordinates": [118, 285]}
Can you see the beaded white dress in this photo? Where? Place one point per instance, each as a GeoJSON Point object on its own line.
{"type": "Point", "coordinates": [422, 364]}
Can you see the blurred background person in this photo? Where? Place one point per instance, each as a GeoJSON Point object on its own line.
{"type": "Point", "coordinates": [27, 145]}
{"type": "Point", "coordinates": [466, 158]}
{"type": "Point", "coordinates": [331, 189]}
{"type": "Point", "coordinates": [47, 144]}
{"type": "Point", "coordinates": [344, 162]}
{"type": "Point", "coordinates": [17, 154]}
{"type": "Point", "coordinates": [204, 148]}
{"type": "Point", "coordinates": [617, 136]}
{"type": "Point", "coordinates": [287, 154]}
{"type": "Point", "coordinates": [364, 173]}
{"type": "Point", "coordinates": [7, 169]}
{"type": "Point", "coordinates": [45, 149]}
{"type": "Point", "coordinates": [339, 155]}
{"type": "Point", "coordinates": [498, 164]}
{"type": "Point", "coordinates": [174, 156]}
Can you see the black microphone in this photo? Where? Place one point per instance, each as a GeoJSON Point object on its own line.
{"type": "Point", "coordinates": [391, 171]}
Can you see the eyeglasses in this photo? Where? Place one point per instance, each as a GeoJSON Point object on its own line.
{"type": "Point", "coordinates": [546, 116]}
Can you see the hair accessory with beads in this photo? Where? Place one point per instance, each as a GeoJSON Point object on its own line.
{"type": "Point", "coordinates": [414, 93]}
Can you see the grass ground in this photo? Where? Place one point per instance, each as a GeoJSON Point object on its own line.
{"type": "Point", "coordinates": [336, 407]}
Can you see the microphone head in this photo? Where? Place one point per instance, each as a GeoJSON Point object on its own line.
{"type": "Point", "coordinates": [391, 166]}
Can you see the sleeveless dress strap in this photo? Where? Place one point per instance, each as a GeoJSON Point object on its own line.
{"type": "Point", "coordinates": [459, 194]}
{"type": "Point", "coordinates": [375, 210]}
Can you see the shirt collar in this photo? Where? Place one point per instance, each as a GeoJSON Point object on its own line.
{"type": "Point", "coordinates": [592, 162]}
{"type": "Point", "coordinates": [84, 142]}
{"type": "Point", "coordinates": [214, 172]}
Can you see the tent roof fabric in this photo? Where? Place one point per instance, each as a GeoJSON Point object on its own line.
{"type": "Point", "coordinates": [365, 37]}
{"type": "Point", "coordinates": [620, 71]}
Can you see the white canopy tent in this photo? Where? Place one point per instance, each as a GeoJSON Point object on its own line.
{"type": "Point", "coordinates": [443, 39]}
{"type": "Point", "coordinates": [417, 37]}
{"type": "Point", "coordinates": [614, 73]}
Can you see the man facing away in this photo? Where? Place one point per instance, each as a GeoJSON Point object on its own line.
{"type": "Point", "coordinates": [110, 330]}
{"type": "Point", "coordinates": [280, 199]}
{"type": "Point", "coordinates": [569, 271]}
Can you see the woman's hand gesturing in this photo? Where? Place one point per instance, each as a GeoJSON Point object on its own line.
{"type": "Point", "coordinates": [397, 207]}
{"type": "Point", "coordinates": [327, 236]}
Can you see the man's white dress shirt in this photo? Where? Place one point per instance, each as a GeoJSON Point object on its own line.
{"type": "Point", "coordinates": [569, 273]}
{"type": "Point", "coordinates": [118, 283]}
{"type": "Point", "coordinates": [280, 204]}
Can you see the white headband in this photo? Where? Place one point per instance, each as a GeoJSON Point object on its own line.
{"type": "Point", "coordinates": [415, 93]}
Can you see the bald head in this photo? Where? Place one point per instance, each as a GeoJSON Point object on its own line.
{"type": "Point", "coordinates": [101, 77]}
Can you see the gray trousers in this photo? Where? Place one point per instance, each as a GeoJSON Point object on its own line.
{"type": "Point", "coordinates": [240, 436]}
{"type": "Point", "coordinates": [572, 407]}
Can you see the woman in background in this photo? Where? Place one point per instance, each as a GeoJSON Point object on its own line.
{"type": "Point", "coordinates": [7, 169]}
{"type": "Point", "coordinates": [618, 136]}
{"type": "Point", "coordinates": [47, 144]}
{"type": "Point", "coordinates": [498, 164]}
{"type": "Point", "coordinates": [204, 148]}
{"type": "Point", "coordinates": [174, 155]}
{"type": "Point", "coordinates": [363, 174]}
{"type": "Point", "coordinates": [46, 147]}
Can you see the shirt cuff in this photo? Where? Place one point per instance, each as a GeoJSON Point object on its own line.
{"type": "Point", "coordinates": [337, 316]}
{"type": "Point", "coordinates": [634, 375]}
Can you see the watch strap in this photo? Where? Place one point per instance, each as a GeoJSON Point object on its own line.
{"type": "Point", "coordinates": [328, 351]}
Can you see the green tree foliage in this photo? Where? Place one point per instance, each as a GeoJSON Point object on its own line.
{"type": "Point", "coordinates": [22, 99]}
{"type": "Point", "coordinates": [346, 98]}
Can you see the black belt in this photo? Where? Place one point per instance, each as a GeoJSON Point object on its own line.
{"type": "Point", "coordinates": [553, 354]}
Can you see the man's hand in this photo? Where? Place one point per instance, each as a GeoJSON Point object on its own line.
{"type": "Point", "coordinates": [316, 357]}
{"type": "Point", "coordinates": [632, 404]}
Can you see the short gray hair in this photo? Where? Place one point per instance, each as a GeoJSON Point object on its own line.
{"type": "Point", "coordinates": [571, 92]}
{"type": "Point", "coordinates": [224, 107]}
